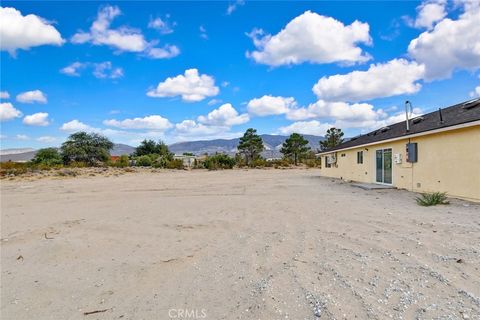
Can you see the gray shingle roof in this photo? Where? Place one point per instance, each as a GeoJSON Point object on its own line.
{"type": "Point", "coordinates": [464, 112]}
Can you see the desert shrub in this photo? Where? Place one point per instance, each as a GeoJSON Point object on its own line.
{"type": "Point", "coordinates": [175, 164]}
{"type": "Point", "coordinates": [281, 163]}
{"type": "Point", "coordinates": [259, 163]}
{"type": "Point", "coordinates": [219, 161]}
{"type": "Point", "coordinates": [122, 162]}
{"type": "Point", "coordinates": [432, 199]}
{"type": "Point", "coordinates": [312, 163]}
{"type": "Point", "coordinates": [78, 164]}
{"type": "Point", "coordinates": [144, 161]}
{"type": "Point", "coordinates": [47, 157]}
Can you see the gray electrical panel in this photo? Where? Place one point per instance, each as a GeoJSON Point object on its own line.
{"type": "Point", "coordinates": [412, 152]}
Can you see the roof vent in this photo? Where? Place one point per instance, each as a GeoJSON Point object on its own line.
{"type": "Point", "coordinates": [384, 129]}
{"type": "Point", "coordinates": [471, 104]}
{"type": "Point", "coordinates": [417, 120]}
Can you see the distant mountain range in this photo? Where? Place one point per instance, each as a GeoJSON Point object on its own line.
{"type": "Point", "coordinates": [27, 154]}
{"type": "Point", "coordinates": [272, 143]}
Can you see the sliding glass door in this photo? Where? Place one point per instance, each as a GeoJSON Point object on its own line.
{"type": "Point", "coordinates": [383, 166]}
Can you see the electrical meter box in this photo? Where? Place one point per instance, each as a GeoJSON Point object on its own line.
{"type": "Point", "coordinates": [412, 152]}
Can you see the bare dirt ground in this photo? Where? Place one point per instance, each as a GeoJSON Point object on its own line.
{"type": "Point", "coordinates": [257, 244]}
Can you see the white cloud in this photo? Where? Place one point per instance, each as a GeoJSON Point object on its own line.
{"type": "Point", "coordinates": [233, 6]}
{"type": "Point", "coordinates": [37, 119]}
{"type": "Point", "coordinates": [450, 45]}
{"type": "Point", "coordinates": [214, 101]}
{"type": "Point", "coordinates": [32, 97]}
{"type": "Point", "coordinates": [395, 77]}
{"type": "Point", "coordinates": [123, 38]}
{"type": "Point", "coordinates": [153, 122]}
{"type": "Point", "coordinates": [225, 115]}
{"type": "Point", "coordinates": [73, 69]}
{"type": "Point", "coordinates": [22, 137]}
{"type": "Point", "coordinates": [354, 113]}
{"type": "Point", "coordinates": [101, 70]}
{"type": "Point", "coordinates": [189, 129]}
{"type": "Point", "coordinates": [313, 38]}
{"type": "Point", "coordinates": [4, 95]}
{"type": "Point", "coordinates": [23, 32]}
{"type": "Point", "coordinates": [475, 92]}
{"type": "Point", "coordinates": [313, 127]}
{"type": "Point", "coordinates": [164, 26]}
{"type": "Point", "coordinates": [270, 105]}
{"type": "Point", "coordinates": [46, 139]}
{"type": "Point", "coordinates": [8, 112]}
{"type": "Point", "coordinates": [166, 52]}
{"type": "Point", "coordinates": [105, 70]}
{"type": "Point", "coordinates": [191, 86]}
{"type": "Point", "coordinates": [430, 12]}
{"type": "Point", "coordinates": [203, 33]}
{"type": "Point", "coordinates": [75, 125]}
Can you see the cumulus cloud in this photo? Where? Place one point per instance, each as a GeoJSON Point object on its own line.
{"type": "Point", "coordinates": [123, 38]}
{"type": "Point", "coordinates": [225, 115]}
{"type": "Point", "coordinates": [37, 119]}
{"type": "Point", "coordinates": [153, 122]}
{"type": "Point", "coordinates": [190, 129]}
{"type": "Point", "coordinates": [340, 111]}
{"type": "Point", "coordinates": [450, 45]}
{"type": "Point", "coordinates": [24, 32]}
{"type": "Point", "coordinates": [75, 125]}
{"type": "Point", "coordinates": [34, 96]}
{"type": "Point", "coordinates": [313, 127]}
{"type": "Point", "coordinates": [4, 95]}
{"type": "Point", "coordinates": [8, 112]}
{"type": "Point", "coordinates": [164, 26]}
{"type": "Point", "coordinates": [270, 105]}
{"type": "Point", "coordinates": [191, 86]}
{"type": "Point", "coordinates": [395, 77]}
{"type": "Point", "coordinates": [314, 38]}
{"type": "Point", "coordinates": [429, 13]}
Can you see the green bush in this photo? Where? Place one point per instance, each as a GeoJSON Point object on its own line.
{"type": "Point", "coordinates": [432, 199]}
{"type": "Point", "coordinates": [258, 163]}
{"type": "Point", "coordinates": [47, 157]}
{"type": "Point", "coordinates": [219, 161]}
{"type": "Point", "coordinates": [144, 161]}
{"type": "Point", "coordinates": [175, 164]}
{"type": "Point", "coordinates": [122, 162]}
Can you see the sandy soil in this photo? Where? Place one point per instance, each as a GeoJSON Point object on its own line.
{"type": "Point", "coordinates": [257, 244]}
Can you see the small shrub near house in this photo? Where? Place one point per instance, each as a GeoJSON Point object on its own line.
{"type": "Point", "coordinates": [219, 161]}
{"type": "Point", "coordinates": [432, 199]}
{"type": "Point", "coordinates": [47, 157]}
{"type": "Point", "coordinates": [144, 161]}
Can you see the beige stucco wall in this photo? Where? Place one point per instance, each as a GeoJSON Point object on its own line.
{"type": "Point", "coordinates": [448, 161]}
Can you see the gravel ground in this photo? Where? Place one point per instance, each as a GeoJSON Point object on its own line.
{"type": "Point", "coordinates": [238, 244]}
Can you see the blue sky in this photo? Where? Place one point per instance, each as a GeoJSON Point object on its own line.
{"type": "Point", "coordinates": [188, 71]}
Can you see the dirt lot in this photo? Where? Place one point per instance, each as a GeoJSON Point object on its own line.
{"type": "Point", "coordinates": [257, 244]}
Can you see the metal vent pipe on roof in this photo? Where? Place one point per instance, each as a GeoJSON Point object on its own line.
{"type": "Point", "coordinates": [407, 104]}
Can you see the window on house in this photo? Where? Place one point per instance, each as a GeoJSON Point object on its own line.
{"type": "Point", "coordinates": [327, 165]}
{"type": "Point", "coordinates": [360, 157]}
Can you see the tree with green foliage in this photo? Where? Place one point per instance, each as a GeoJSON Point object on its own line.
{"type": "Point", "coordinates": [333, 138]}
{"type": "Point", "coordinates": [47, 156]}
{"type": "Point", "coordinates": [250, 146]}
{"type": "Point", "coordinates": [219, 161]}
{"type": "Point", "coordinates": [144, 161]}
{"type": "Point", "coordinates": [295, 147]}
{"type": "Point", "coordinates": [148, 147]}
{"type": "Point", "coordinates": [90, 148]}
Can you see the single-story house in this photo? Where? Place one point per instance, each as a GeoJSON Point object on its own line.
{"type": "Point", "coordinates": [436, 152]}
